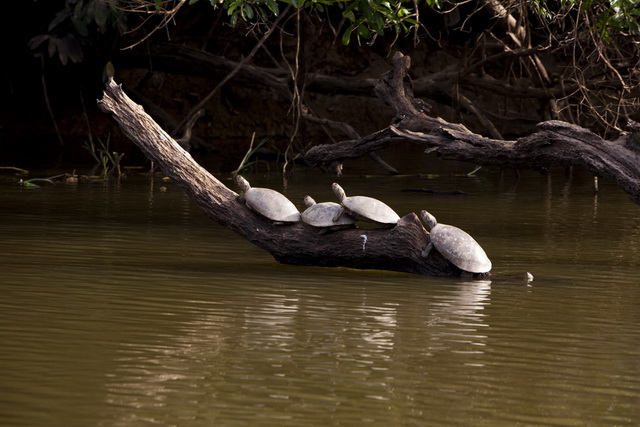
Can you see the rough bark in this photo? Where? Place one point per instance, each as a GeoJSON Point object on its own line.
{"type": "Point", "coordinates": [556, 143]}
{"type": "Point", "coordinates": [396, 249]}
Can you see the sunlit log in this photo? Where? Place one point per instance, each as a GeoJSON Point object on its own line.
{"type": "Point", "coordinates": [395, 249]}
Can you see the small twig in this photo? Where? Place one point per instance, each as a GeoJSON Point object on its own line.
{"type": "Point", "coordinates": [167, 16]}
{"type": "Point", "coordinates": [351, 133]}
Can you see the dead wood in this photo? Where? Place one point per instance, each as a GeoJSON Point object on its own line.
{"type": "Point", "coordinates": [396, 249]}
{"type": "Point", "coordinates": [556, 143]}
{"type": "Point", "coordinates": [187, 140]}
{"type": "Point", "coordinates": [187, 135]}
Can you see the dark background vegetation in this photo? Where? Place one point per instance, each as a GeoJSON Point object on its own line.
{"type": "Point", "coordinates": [592, 76]}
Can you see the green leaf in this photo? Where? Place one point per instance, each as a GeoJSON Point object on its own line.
{"type": "Point", "coordinates": [366, 10]}
{"type": "Point", "coordinates": [28, 184]}
{"type": "Point", "coordinates": [248, 12]}
{"type": "Point", "coordinates": [348, 14]}
{"type": "Point", "coordinates": [273, 7]}
{"type": "Point", "coordinates": [403, 11]}
{"type": "Point", "coordinates": [346, 37]}
{"type": "Point", "coordinates": [364, 32]}
{"type": "Point", "coordinates": [377, 22]}
{"type": "Point", "coordinates": [232, 9]}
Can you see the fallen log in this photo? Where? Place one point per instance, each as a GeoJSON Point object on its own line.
{"type": "Point", "coordinates": [555, 143]}
{"type": "Point", "coordinates": [395, 249]}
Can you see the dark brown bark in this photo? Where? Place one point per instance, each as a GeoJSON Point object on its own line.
{"type": "Point", "coordinates": [555, 144]}
{"type": "Point", "coordinates": [396, 249]}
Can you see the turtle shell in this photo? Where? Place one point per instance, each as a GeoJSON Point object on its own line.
{"type": "Point", "coordinates": [322, 214]}
{"type": "Point", "coordinates": [271, 204]}
{"type": "Point", "coordinates": [460, 248]}
{"type": "Point", "coordinates": [366, 208]}
{"type": "Point", "coordinates": [268, 203]}
{"type": "Point", "coordinates": [370, 209]}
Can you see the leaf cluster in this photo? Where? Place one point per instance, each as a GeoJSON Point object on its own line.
{"type": "Point", "coordinates": [71, 27]}
{"type": "Point", "coordinates": [366, 19]}
{"type": "Point", "coordinates": [607, 17]}
{"type": "Point", "coordinates": [617, 15]}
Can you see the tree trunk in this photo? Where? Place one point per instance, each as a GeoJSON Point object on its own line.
{"type": "Point", "coordinates": [396, 249]}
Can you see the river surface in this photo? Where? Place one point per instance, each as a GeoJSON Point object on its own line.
{"type": "Point", "coordinates": [121, 304]}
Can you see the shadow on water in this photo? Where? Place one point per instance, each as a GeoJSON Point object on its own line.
{"type": "Point", "coordinates": [126, 306]}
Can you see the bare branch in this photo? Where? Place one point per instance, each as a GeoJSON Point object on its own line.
{"type": "Point", "coordinates": [397, 249]}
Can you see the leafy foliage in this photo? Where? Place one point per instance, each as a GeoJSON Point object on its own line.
{"type": "Point", "coordinates": [621, 15]}
{"type": "Point", "coordinates": [72, 26]}
{"type": "Point", "coordinates": [607, 17]}
{"type": "Point", "coordinates": [366, 18]}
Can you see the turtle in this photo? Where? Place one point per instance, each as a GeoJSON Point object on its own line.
{"type": "Point", "coordinates": [269, 203]}
{"type": "Point", "coordinates": [364, 208]}
{"type": "Point", "coordinates": [456, 245]}
{"type": "Point", "coordinates": [320, 215]}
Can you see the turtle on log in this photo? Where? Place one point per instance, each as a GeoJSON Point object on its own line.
{"type": "Point", "coordinates": [320, 216]}
{"type": "Point", "coordinates": [456, 245]}
{"type": "Point", "coordinates": [269, 203]}
{"type": "Point", "coordinates": [364, 208]}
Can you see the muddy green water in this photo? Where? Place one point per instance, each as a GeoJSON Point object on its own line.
{"type": "Point", "coordinates": [122, 305]}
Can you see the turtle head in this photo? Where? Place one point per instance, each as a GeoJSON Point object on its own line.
{"type": "Point", "coordinates": [429, 220]}
{"type": "Point", "coordinates": [243, 183]}
{"type": "Point", "coordinates": [308, 201]}
{"type": "Point", "coordinates": [339, 192]}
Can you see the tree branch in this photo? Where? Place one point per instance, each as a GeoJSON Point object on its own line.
{"type": "Point", "coordinates": [555, 144]}
{"type": "Point", "coordinates": [396, 249]}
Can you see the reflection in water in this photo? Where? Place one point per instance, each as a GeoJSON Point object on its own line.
{"type": "Point", "coordinates": [458, 321]}
{"type": "Point", "coordinates": [266, 347]}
